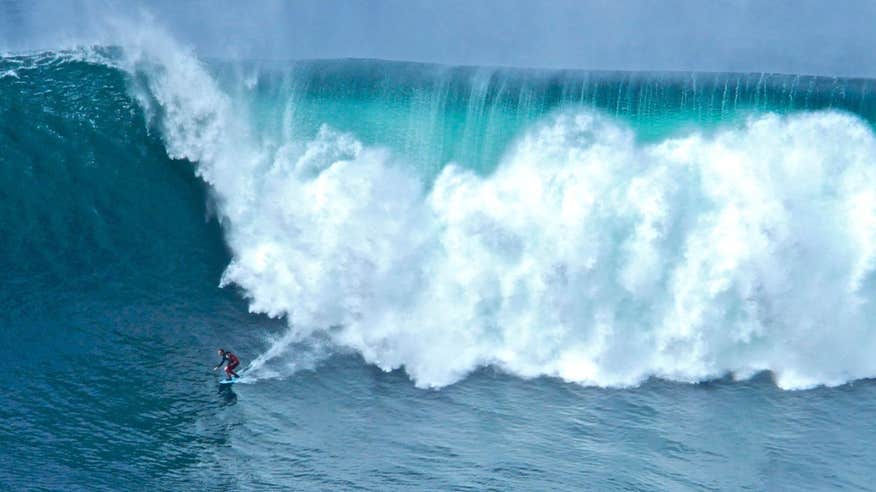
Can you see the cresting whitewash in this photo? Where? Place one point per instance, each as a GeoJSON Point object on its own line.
{"type": "Point", "coordinates": [587, 255]}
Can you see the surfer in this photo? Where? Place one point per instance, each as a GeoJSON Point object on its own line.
{"type": "Point", "coordinates": [233, 362]}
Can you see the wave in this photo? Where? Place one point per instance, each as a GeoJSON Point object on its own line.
{"type": "Point", "coordinates": [580, 250]}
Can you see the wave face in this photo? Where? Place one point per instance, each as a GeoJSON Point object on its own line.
{"type": "Point", "coordinates": [433, 114]}
{"type": "Point", "coordinates": [602, 228]}
{"type": "Point", "coordinates": [90, 200]}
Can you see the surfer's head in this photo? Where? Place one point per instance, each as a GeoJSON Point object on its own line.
{"type": "Point", "coordinates": [221, 352]}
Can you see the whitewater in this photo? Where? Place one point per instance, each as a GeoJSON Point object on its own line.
{"type": "Point", "coordinates": [585, 252]}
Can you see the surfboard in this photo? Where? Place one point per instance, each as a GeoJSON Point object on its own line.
{"type": "Point", "coordinates": [229, 381]}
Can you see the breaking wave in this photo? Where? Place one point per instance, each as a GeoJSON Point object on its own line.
{"type": "Point", "coordinates": [574, 246]}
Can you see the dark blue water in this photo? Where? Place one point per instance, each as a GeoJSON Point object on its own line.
{"type": "Point", "coordinates": [111, 255]}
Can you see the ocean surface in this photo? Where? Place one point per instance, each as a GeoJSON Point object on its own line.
{"type": "Point", "coordinates": [437, 278]}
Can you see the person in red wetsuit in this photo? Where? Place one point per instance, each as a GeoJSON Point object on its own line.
{"type": "Point", "coordinates": [232, 360]}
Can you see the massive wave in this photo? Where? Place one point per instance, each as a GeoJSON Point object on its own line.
{"type": "Point", "coordinates": [600, 228]}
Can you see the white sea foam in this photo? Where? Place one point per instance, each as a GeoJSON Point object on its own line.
{"type": "Point", "coordinates": [587, 255]}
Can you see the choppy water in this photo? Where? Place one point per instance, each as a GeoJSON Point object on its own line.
{"type": "Point", "coordinates": [473, 278]}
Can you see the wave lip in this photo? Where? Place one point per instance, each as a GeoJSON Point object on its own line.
{"type": "Point", "coordinates": [587, 254]}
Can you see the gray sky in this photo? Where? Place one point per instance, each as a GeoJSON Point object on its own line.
{"type": "Point", "coordinates": [803, 36]}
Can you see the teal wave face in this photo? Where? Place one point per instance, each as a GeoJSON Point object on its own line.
{"type": "Point", "coordinates": [88, 195]}
{"type": "Point", "coordinates": [470, 115]}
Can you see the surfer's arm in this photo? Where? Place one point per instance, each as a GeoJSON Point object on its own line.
{"type": "Point", "coordinates": [219, 364]}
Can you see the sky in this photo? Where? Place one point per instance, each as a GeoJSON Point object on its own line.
{"type": "Point", "coordinates": [801, 36]}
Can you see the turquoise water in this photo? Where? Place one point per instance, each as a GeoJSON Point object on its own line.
{"type": "Point", "coordinates": [437, 114]}
{"type": "Point", "coordinates": [438, 278]}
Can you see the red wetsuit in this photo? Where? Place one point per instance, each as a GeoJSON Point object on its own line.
{"type": "Point", "coordinates": [233, 362]}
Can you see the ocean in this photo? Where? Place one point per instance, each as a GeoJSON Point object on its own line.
{"type": "Point", "coordinates": [436, 277]}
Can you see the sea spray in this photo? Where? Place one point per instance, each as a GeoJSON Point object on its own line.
{"type": "Point", "coordinates": [586, 253]}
